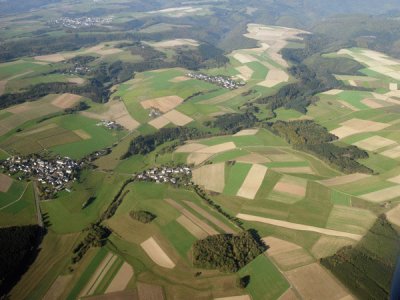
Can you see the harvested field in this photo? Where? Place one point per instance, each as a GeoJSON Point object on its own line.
{"type": "Point", "coordinates": [332, 92]}
{"type": "Point", "coordinates": [212, 177]}
{"type": "Point", "coordinates": [178, 118]}
{"type": "Point", "coordinates": [344, 131]}
{"type": "Point", "coordinates": [371, 103]}
{"type": "Point", "coordinates": [195, 230]}
{"type": "Point", "coordinates": [53, 58]}
{"type": "Point", "coordinates": [289, 295]}
{"type": "Point", "coordinates": [218, 148]}
{"type": "Point", "coordinates": [190, 147]}
{"type": "Point", "coordinates": [5, 183]}
{"type": "Point", "coordinates": [374, 143]}
{"type": "Point", "coordinates": [383, 195]}
{"type": "Point", "coordinates": [253, 182]}
{"type": "Point", "coordinates": [179, 79]}
{"type": "Point", "coordinates": [277, 246]}
{"type": "Point", "coordinates": [354, 126]}
{"type": "Point", "coordinates": [121, 279]}
{"type": "Point", "coordinates": [159, 122]}
{"type": "Point", "coordinates": [294, 170]}
{"type": "Point", "coordinates": [198, 158]}
{"type": "Point", "coordinates": [393, 215]}
{"type": "Point", "coordinates": [126, 295]}
{"type": "Point", "coordinates": [291, 185]}
{"type": "Point", "coordinates": [242, 297]}
{"type": "Point", "coordinates": [203, 225]}
{"type": "Point", "coordinates": [313, 282]}
{"type": "Point", "coordinates": [253, 158]}
{"type": "Point", "coordinates": [340, 180]}
{"type": "Point", "coordinates": [150, 291]}
{"type": "Point", "coordinates": [274, 77]}
{"type": "Point", "coordinates": [127, 122]}
{"type": "Point", "coordinates": [66, 101]}
{"type": "Point", "coordinates": [98, 275]}
{"type": "Point", "coordinates": [209, 217]}
{"type": "Point", "coordinates": [392, 153]}
{"type": "Point", "coordinates": [327, 246]}
{"type": "Point", "coordinates": [244, 58]}
{"type": "Point", "coordinates": [283, 157]}
{"type": "Point", "coordinates": [395, 179]}
{"type": "Point", "coordinates": [157, 254]}
{"type": "Point", "coordinates": [175, 43]}
{"type": "Point", "coordinates": [58, 287]}
{"type": "Point", "coordinates": [82, 134]}
{"type": "Point", "coordinates": [245, 72]}
{"type": "Point", "coordinates": [77, 80]}
{"type": "Point", "coordinates": [300, 227]}
{"type": "Point", "coordinates": [348, 105]}
{"type": "Point", "coordinates": [246, 132]}
{"type": "Point", "coordinates": [163, 104]}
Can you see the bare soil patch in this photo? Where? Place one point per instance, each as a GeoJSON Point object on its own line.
{"type": "Point", "coordinates": [218, 148]}
{"type": "Point", "coordinates": [196, 158]}
{"type": "Point", "coordinates": [77, 80]}
{"type": "Point", "coordinates": [289, 295]}
{"type": "Point", "coordinates": [150, 291]}
{"type": "Point", "coordinates": [393, 215]}
{"type": "Point", "coordinates": [247, 132]}
{"type": "Point", "coordinates": [245, 72]}
{"type": "Point", "coordinates": [332, 92]}
{"type": "Point", "coordinates": [178, 118]}
{"type": "Point", "coordinates": [58, 287]}
{"type": "Point", "coordinates": [195, 230]}
{"type": "Point", "coordinates": [253, 182]}
{"type": "Point", "coordinates": [274, 77]}
{"type": "Point", "coordinates": [53, 58]}
{"type": "Point", "coordinates": [164, 104]}
{"type": "Point", "coordinates": [212, 177]}
{"type": "Point", "coordinates": [244, 58]}
{"type": "Point", "coordinates": [300, 227]}
{"type": "Point", "coordinates": [190, 147]}
{"type": "Point", "coordinates": [340, 180]}
{"type": "Point", "coordinates": [395, 179]}
{"type": "Point", "coordinates": [392, 153]}
{"type": "Point", "coordinates": [159, 122]}
{"type": "Point", "coordinates": [313, 282]}
{"type": "Point", "coordinates": [157, 254]}
{"type": "Point", "coordinates": [383, 195]}
{"type": "Point", "coordinates": [5, 183]}
{"type": "Point", "coordinates": [121, 279]}
{"type": "Point", "coordinates": [253, 158]}
{"type": "Point", "coordinates": [175, 43]}
{"type": "Point", "coordinates": [66, 101]}
{"type": "Point", "coordinates": [374, 143]}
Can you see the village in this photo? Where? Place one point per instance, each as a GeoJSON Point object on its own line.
{"type": "Point", "coordinates": [174, 175]}
{"type": "Point", "coordinates": [54, 175]}
{"type": "Point", "coordinates": [221, 81]}
{"type": "Point", "coordinates": [76, 23]}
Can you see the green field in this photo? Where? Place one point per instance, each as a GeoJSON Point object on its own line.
{"type": "Point", "coordinates": [236, 174]}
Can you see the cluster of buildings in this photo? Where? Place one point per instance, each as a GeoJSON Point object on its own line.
{"type": "Point", "coordinates": [154, 113]}
{"type": "Point", "coordinates": [221, 81]}
{"type": "Point", "coordinates": [76, 23]}
{"type": "Point", "coordinates": [172, 175]}
{"type": "Point", "coordinates": [110, 125]}
{"type": "Point", "coordinates": [53, 174]}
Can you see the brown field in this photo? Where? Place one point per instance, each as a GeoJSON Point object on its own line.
{"type": "Point", "coordinates": [196, 158]}
{"type": "Point", "coordinates": [179, 79]}
{"type": "Point", "coordinates": [203, 225]}
{"type": "Point", "coordinates": [244, 58]}
{"type": "Point", "coordinates": [246, 132]}
{"type": "Point", "coordinates": [82, 134]}
{"type": "Point", "coordinates": [150, 291]}
{"type": "Point", "coordinates": [127, 122]}
{"type": "Point", "coordinates": [274, 77]}
{"type": "Point", "coordinates": [126, 295]}
{"type": "Point", "coordinates": [175, 43]}
{"type": "Point", "coordinates": [3, 84]}
{"type": "Point", "coordinates": [54, 58]}
{"type": "Point", "coordinates": [242, 297]}
{"type": "Point", "coordinates": [66, 101]}
{"type": "Point", "coordinates": [253, 158]}
{"type": "Point", "coordinates": [178, 118]}
{"type": "Point", "coordinates": [348, 105]}
{"type": "Point", "coordinates": [190, 147]}
{"type": "Point", "coordinates": [121, 279]}
{"type": "Point", "coordinates": [332, 92]}
{"type": "Point", "coordinates": [164, 104]}
{"type": "Point", "coordinates": [289, 295]}
{"type": "Point", "coordinates": [300, 227]}
{"type": "Point", "coordinates": [292, 186]}
{"type": "Point", "coordinates": [393, 215]}
{"type": "Point", "coordinates": [354, 126]}
{"type": "Point", "coordinates": [209, 217]}
{"type": "Point", "coordinates": [253, 181]}
{"type": "Point", "coordinates": [394, 179]}
{"type": "Point", "coordinates": [295, 170]}
{"type": "Point", "coordinates": [212, 177]}
{"type": "Point", "coordinates": [327, 246]}
{"type": "Point", "coordinates": [277, 246]}
{"type": "Point", "coordinates": [195, 230]}
{"type": "Point", "coordinates": [218, 148]}
{"type": "Point", "coordinates": [313, 282]}
{"type": "Point", "coordinates": [371, 103]}
{"type": "Point", "coordinates": [77, 80]}
{"type": "Point", "coordinates": [58, 287]}
{"type": "Point", "coordinates": [374, 143]}
{"type": "Point", "coordinates": [157, 254]}
{"type": "Point", "coordinates": [5, 183]}
{"type": "Point", "coordinates": [344, 131]}
{"type": "Point", "coordinates": [392, 153]}
{"type": "Point", "coordinates": [98, 275]}
{"type": "Point", "coordinates": [159, 122]}
{"type": "Point", "coordinates": [245, 72]}
{"type": "Point", "coordinates": [340, 180]}
{"type": "Point", "coordinates": [383, 195]}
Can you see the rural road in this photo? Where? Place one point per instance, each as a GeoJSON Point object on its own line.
{"type": "Point", "coordinates": [301, 227]}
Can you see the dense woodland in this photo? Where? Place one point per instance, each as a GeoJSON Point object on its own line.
{"type": "Point", "coordinates": [18, 249]}
{"type": "Point", "coordinates": [367, 268]}
{"type": "Point", "coordinates": [142, 216]}
{"type": "Point", "coordinates": [311, 137]}
{"type": "Point", "coordinates": [227, 252]}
